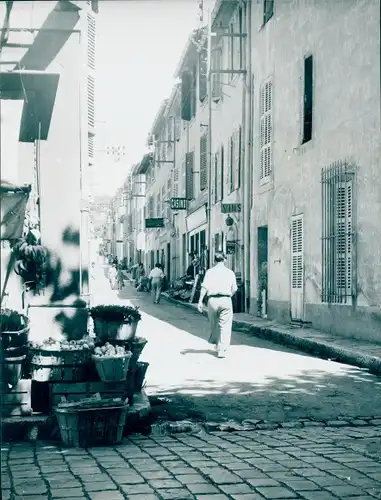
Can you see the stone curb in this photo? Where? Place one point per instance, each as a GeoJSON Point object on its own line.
{"type": "Point", "coordinates": [186, 426]}
{"type": "Point", "coordinates": [321, 349]}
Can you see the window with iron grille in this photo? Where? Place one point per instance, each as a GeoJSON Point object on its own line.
{"type": "Point", "coordinates": [266, 98]}
{"type": "Point", "coordinates": [189, 179]}
{"type": "Point", "coordinates": [338, 233]}
{"type": "Point", "coordinates": [91, 38]}
{"type": "Point", "coordinates": [268, 10]}
{"type": "Point", "coordinates": [203, 162]}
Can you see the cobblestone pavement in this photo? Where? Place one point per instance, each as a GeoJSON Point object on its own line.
{"type": "Point", "coordinates": [311, 464]}
{"type": "Point", "coordinates": [259, 380]}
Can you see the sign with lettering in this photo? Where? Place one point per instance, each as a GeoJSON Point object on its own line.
{"type": "Point", "coordinates": [154, 223]}
{"type": "Point", "coordinates": [179, 203]}
{"type": "Point", "coordinates": [231, 208]}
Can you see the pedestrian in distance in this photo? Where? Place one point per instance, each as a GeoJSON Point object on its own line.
{"type": "Point", "coordinates": [119, 277]}
{"type": "Point", "coordinates": [156, 277]}
{"type": "Point", "coordinates": [219, 285]}
{"type": "Point", "coordinates": [112, 276]}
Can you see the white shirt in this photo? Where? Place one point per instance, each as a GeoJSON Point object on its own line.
{"type": "Point", "coordinates": [219, 280]}
{"type": "Point", "coordinates": [156, 273]}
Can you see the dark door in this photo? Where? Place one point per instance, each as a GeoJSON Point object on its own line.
{"type": "Point", "coordinates": [262, 260]}
{"type": "Point", "coordinates": [168, 261]}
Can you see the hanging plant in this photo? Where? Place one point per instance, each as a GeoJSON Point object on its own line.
{"type": "Point", "coordinates": [31, 261]}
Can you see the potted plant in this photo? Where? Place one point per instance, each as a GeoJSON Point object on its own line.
{"type": "Point", "coordinates": [14, 329]}
{"type": "Point", "coordinates": [115, 322]}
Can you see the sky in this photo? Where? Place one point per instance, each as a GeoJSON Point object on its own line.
{"type": "Point", "coordinates": [139, 44]}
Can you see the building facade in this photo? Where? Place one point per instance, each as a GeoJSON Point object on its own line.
{"type": "Point", "coordinates": [48, 59]}
{"type": "Point", "coordinates": [316, 154]}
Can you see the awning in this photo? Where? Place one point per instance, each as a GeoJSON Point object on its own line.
{"type": "Point", "coordinates": [38, 90]}
{"type": "Point", "coordinates": [13, 205]}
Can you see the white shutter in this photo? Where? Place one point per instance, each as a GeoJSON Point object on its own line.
{"type": "Point", "coordinates": [344, 213]}
{"type": "Point", "coordinates": [91, 39]}
{"type": "Point", "coordinates": [297, 264]}
{"type": "Point", "coordinates": [90, 101]}
{"type": "Point", "coordinates": [266, 97]}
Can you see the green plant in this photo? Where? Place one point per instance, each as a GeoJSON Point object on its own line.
{"type": "Point", "coordinates": [11, 321]}
{"type": "Point", "coordinates": [116, 314]}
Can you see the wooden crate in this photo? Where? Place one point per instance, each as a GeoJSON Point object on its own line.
{"type": "Point", "coordinates": [75, 391]}
{"type": "Point", "coordinates": [18, 400]}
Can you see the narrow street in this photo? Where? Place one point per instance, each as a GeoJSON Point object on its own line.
{"type": "Point", "coordinates": [259, 380]}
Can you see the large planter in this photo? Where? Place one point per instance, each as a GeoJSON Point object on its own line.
{"type": "Point", "coordinates": [107, 330]}
{"type": "Point", "coordinates": [17, 338]}
{"type": "Point", "coordinates": [140, 373]}
{"type": "Point", "coordinates": [12, 370]}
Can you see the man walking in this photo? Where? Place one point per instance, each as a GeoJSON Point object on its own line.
{"type": "Point", "coordinates": [219, 286]}
{"type": "Point", "coordinates": [156, 278]}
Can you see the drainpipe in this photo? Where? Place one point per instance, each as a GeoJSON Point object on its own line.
{"type": "Point", "coordinates": [210, 166]}
{"type": "Point", "coordinates": [247, 177]}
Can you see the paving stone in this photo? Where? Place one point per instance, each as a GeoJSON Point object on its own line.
{"type": "Point", "coordinates": [213, 497]}
{"type": "Point", "coordinates": [156, 474]}
{"type": "Point", "coordinates": [251, 473]}
{"type": "Point", "coordinates": [100, 486]}
{"type": "Point", "coordinates": [300, 485]}
{"type": "Point", "coordinates": [202, 488]}
{"type": "Point", "coordinates": [165, 483]}
{"type": "Point", "coordinates": [128, 478]}
{"type": "Point", "coordinates": [221, 476]}
{"type": "Point", "coordinates": [175, 494]}
{"type": "Point", "coordinates": [68, 493]}
{"type": "Point", "coordinates": [266, 481]}
{"type": "Point", "coordinates": [318, 495]}
{"type": "Point", "coordinates": [30, 488]}
{"type": "Point", "coordinates": [6, 494]}
{"type": "Point", "coordinates": [142, 497]}
{"type": "Point", "coordinates": [275, 493]}
{"type": "Point", "coordinates": [344, 491]}
{"type": "Point", "coordinates": [136, 489]}
{"type": "Point", "coordinates": [190, 478]}
{"type": "Point", "coordinates": [106, 495]}
{"type": "Point", "coordinates": [236, 489]}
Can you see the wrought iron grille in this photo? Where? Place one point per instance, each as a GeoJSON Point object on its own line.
{"type": "Point", "coordinates": [338, 253]}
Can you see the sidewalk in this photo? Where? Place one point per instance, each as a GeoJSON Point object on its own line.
{"type": "Point", "coordinates": [350, 351]}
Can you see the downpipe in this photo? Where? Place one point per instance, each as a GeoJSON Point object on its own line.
{"type": "Point", "coordinates": [247, 177]}
{"type": "Point", "coordinates": [210, 166]}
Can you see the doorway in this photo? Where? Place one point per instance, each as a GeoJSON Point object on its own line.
{"type": "Point", "coordinates": [168, 261]}
{"type": "Point", "coordinates": [262, 277]}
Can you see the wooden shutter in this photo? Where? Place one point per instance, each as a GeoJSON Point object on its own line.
{"type": "Point", "coordinates": [216, 77]}
{"type": "Point", "coordinates": [238, 157]}
{"type": "Point", "coordinates": [216, 176]}
{"type": "Point", "coordinates": [91, 38]}
{"type": "Point", "coordinates": [222, 173]}
{"type": "Point", "coordinates": [90, 101]}
{"type": "Point", "coordinates": [266, 97]}
{"type": "Point", "coordinates": [229, 166]}
{"type": "Point", "coordinates": [189, 188]}
{"type": "Point", "coordinates": [202, 73]}
{"type": "Point", "coordinates": [90, 147]}
{"type": "Point", "coordinates": [186, 87]}
{"type": "Point", "coordinates": [203, 162]}
{"type": "Point", "coordinates": [177, 128]}
{"type": "Point", "coordinates": [297, 253]}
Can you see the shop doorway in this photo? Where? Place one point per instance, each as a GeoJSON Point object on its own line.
{"type": "Point", "coordinates": [168, 261]}
{"type": "Point", "coordinates": [262, 239]}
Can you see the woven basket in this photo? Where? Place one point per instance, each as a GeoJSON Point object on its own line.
{"type": "Point", "coordinates": [59, 366]}
{"type": "Point", "coordinates": [16, 339]}
{"type": "Point", "coordinates": [112, 369]}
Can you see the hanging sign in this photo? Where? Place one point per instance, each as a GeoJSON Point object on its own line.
{"type": "Point", "coordinates": [154, 223]}
{"type": "Point", "coordinates": [179, 203]}
{"type": "Point", "coordinates": [231, 208]}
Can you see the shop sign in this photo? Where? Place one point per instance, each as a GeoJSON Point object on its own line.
{"type": "Point", "coordinates": [154, 223]}
{"type": "Point", "coordinates": [231, 208]}
{"type": "Point", "coordinates": [231, 247]}
{"type": "Point", "coordinates": [179, 203]}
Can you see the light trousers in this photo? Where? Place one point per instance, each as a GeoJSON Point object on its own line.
{"type": "Point", "coordinates": [156, 285]}
{"type": "Point", "coordinates": [220, 314]}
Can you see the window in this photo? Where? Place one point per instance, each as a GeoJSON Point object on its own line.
{"type": "Point", "coordinates": [203, 162]}
{"type": "Point", "coordinates": [189, 180]}
{"type": "Point", "coordinates": [266, 97]}
{"type": "Point", "coordinates": [203, 73]}
{"type": "Point", "coordinates": [268, 10]}
{"type": "Point", "coordinates": [216, 77]}
{"type": "Point", "coordinates": [308, 99]}
{"type": "Point", "coordinates": [337, 233]}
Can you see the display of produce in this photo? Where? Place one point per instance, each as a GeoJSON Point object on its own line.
{"type": "Point", "coordinates": [64, 345]}
{"type": "Point", "coordinates": [110, 351]}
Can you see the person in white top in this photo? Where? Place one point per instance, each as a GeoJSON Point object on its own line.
{"type": "Point", "coordinates": [156, 279]}
{"type": "Point", "coordinates": [219, 286]}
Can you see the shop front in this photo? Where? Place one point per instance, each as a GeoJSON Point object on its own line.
{"type": "Point", "coordinates": [196, 224]}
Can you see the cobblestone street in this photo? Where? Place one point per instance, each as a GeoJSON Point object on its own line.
{"type": "Point", "coordinates": [259, 380]}
{"type": "Point", "coordinates": [311, 464]}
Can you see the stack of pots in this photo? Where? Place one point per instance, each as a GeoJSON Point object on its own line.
{"type": "Point", "coordinates": [14, 335]}
{"type": "Point", "coordinates": [117, 325]}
